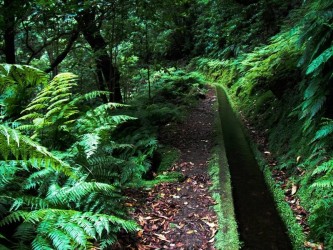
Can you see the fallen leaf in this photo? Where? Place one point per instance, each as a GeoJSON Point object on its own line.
{"type": "Point", "coordinates": [313, 245]}
{"type": "Point", "coordinates": [191, 231]}
{"type": "Point", "coordinates": [294, 189]}
{"type": "Point", "coordinates": [210, 224]}
{"type": "Point", "coordinates": [140, 233]}
{"type": "Point", "coordinates": [162, 237]}
{"type": "Point", "coordinates": [179, 244]}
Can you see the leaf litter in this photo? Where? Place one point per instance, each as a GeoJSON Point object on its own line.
{"type": "Point", "coordinates": [179, 215]}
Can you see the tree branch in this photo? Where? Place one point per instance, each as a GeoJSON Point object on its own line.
{"type": "Point", "coordinates": [65, 52]}
{"type": "Point", "coordinates": [36, 52]}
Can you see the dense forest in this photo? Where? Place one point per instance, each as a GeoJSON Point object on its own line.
{"type": "Point", "coordinates": [87, 85]}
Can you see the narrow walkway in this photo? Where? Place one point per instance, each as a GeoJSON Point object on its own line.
{"type": "Point", "coordinates": [260, 227]}
{"type": "Point", "coordinates": [180, 215]}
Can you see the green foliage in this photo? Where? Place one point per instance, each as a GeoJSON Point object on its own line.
{"type": "Point", "coordinates": [69, 199]}
{"type": "Point", "coordinates": [18, 83]}
{"type": "Point", "coordinates": [283, 89]}
{"type": "Point", "coordinates": [52, 111]}
{"type": "Point", "coordinates": [61, 189]}
{"type": "Point", "coordinates": [67, 229]}
{"type": "Point", "coordinates": [225, 30]}
{"type": "Point", "coordinates": [317, 59]}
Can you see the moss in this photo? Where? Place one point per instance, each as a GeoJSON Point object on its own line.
{"type": "Point", "coordinates": [227, 237]}
{"type": "Point", "coordinates": [264, 100]}
{"type": "Point", "coordinates": [169, 156]}
{"type": "Point", "coordinates": [295, 232]}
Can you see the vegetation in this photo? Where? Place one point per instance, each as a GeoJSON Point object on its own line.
{"type": "Point", "coordinates": [283, 87]}
{"type": "Point", "coordinates": [71, 143]}
{"type": "Point", "coordinates": [227, 237]}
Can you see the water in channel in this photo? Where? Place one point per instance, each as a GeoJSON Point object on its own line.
{"type": "Point", "coordinates": [259, 224]}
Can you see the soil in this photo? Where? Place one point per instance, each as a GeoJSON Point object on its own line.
{"type": "Point", "coordinates": [180, 215]}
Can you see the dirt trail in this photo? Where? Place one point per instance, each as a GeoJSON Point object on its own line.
{"type": "Point", "coordinates": [180, 215]}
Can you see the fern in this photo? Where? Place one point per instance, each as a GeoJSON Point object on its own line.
{"type": "Point", "coordinates": [69, 199]}
{"type": "Point", "coordinates": [320, 60]}
{"type": "Point", "coordinates": [77, 192]}
{"type": "Point", "coordinates": [12, 143]}
{"type": "Point", "coordinates": [46, 173]}
{"type": "Point", "coordinates": [68, 229]}
{"type": "Point", "coordinates": [17, 86]}
{"type": "Point", "coordinates": [318, 56]}
{"type": "Point", "coordinates": [51, 109]}
{"type": "Point", "coordinates": [325, 130]}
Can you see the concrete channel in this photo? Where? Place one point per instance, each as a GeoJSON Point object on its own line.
{"type": "Point", "coordinates": [259, 224]}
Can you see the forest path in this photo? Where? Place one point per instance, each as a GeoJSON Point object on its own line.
{"type": "Point", "coordinates": [180, 215]}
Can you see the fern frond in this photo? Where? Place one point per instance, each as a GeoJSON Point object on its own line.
{"type": "Point", "coordinates": [105, 162]}
{"type": "Point", "coordinates": [324, 131]}
{"type": "Point", "coordinates": [25, 232]}
{"type": "Point", "coordinates": [22, 74]}
{"type": "Point", "coordinates": [321, 59]}
{"type": "Point", "coordinates": [31, 201]}
{"type": "Point", "coordinates": [77, 233]}
{"type": "Point", "coordinates": [60, 240]}
{"type": "Point", "coordinates": [35, 107]}
{"type": "Point", "coordinates": [56, 98]}
{"type": "Point", "coordinates": [33, 115]}
{"type": "Point", "coordinates": [19, 145]}
{"type": "Point", "coordinates": [41, 243]}
{"type": "Point", "coordinates": [77, 192]}
{"type": "Point", "coordinates": [52, 112]}
{"type": "Point", "coordinates": [90, 143]}
{"type": "Point", "coordinates": [324, 168]}
{"type": "Point", "coordinates": [323, 183]}
{"type": "Point", "coordinates": [57, 103]}
{"type": "Point", "coordinates": [69, 229]}
{"type": "Point", "coordinates": [8, 170]}
{"type": "Point", "coordinates": [93, 95]}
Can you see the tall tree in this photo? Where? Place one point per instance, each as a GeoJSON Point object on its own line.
{"type": "Point", "coordinates": [9, 11]}
{"type": "Point", "coordinates": [108, 73]}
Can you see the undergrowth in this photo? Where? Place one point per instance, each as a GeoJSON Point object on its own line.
{"type": "Point", "coordinates": [283, 88]}
{"type": "Point", "coordinates": [67, 156]}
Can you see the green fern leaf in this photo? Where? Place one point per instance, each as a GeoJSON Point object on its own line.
{"type": "Point", "coordinates": [60, 240]}
{"type": "Point", "coordinates": [324, 167]}
{"type": "Point", "coordinates": [321, 59]}
{"type": "Point", "coordinates": [60, 96]}
{"type": "Point", "coordinates": [324, 131]}
{"type": "Point", "coordinates": [41, 243]}
{"type": "Point", "coordinates": [76, 233]}
{"type": "Point", "coordinates": [55, 104]}
{"type": "Point", "coordinates": [323, 183]}
{"type": "Point", "coordinates": [77, 192]}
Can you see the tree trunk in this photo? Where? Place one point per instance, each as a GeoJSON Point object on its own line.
{"type": "Point", "coordinates": [108, 74]}
{"type": "Point", "coordinates": [9, 31]}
